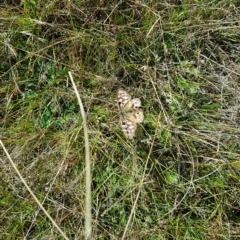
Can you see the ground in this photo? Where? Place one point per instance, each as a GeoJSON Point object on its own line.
{"type": "Point", "coordinates": [178, 178]}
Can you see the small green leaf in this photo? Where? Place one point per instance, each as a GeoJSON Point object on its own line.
{"type": "Point", "coordinates": [171, 177]}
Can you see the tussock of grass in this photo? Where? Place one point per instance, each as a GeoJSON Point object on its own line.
{"type": "Point", "coordinates": [179, 177]}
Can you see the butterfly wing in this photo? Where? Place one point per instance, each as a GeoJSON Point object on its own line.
{"type": "Point", "coordinates": [128, 128]}
{"type": "Point", "coordinates": [123, 98]}
{"type": "Point", "coordinates": [136, 116]}
{"type": "Point", "coordinates": [131, 111]}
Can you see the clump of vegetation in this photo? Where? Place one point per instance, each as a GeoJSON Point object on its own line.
{"type": "Point", "coordinates": [179, 177]}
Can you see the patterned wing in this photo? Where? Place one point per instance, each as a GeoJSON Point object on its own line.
{"type": "Point", "coordinates": [131, 113]}
{"type": "Point", "coordinates": [135, 116]}
{"type": "Point", "coordinates": [134, 104]}
{"type": "Point", "coordinates": [123, 98]}
{"type": "Point", "coordinates": [128, 128]}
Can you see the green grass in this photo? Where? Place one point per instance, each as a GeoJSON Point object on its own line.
{"type": "Point", "coordinates": [179, 177]}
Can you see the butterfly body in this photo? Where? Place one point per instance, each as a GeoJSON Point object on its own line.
{"type": "Point", "coordinates": [131, 113]}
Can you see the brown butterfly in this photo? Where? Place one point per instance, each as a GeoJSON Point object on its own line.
{"type": "Point", "coordinates": [131, 113]}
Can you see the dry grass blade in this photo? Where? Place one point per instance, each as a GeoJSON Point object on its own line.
{"type": "Point", "coordinates": [88, 205]}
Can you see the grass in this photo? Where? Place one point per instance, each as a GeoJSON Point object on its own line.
{"type": "Point", "coordinates": [179, 177]}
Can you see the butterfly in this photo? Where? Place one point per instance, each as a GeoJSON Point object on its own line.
{"type": "Point", "coordinates": [131, 113]}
